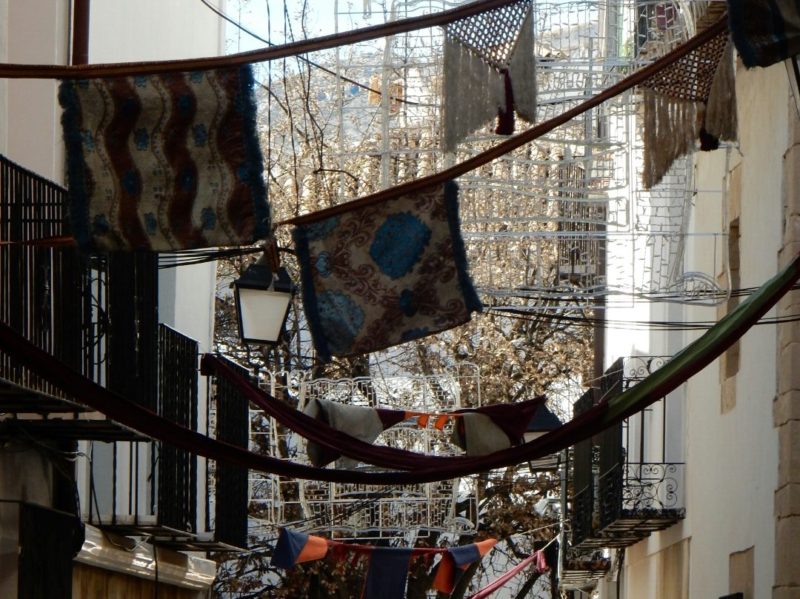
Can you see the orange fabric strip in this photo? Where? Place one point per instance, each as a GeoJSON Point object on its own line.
{"type": "Point", "coordinates": [315, 548]}
{"type": "Point", "coordinates": [441, 421]}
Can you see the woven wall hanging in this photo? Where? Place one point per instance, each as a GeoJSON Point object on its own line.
{"type": "Point", "coordinates": [164, 162]}
{"type": "Point", "coordinates": [384, 274]}
{"type": "Point", "coordinates": [489, 70]}
{"type": "Point", "coordinates": [693, 100]}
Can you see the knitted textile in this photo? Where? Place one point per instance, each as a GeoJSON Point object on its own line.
{"type": "Point", "coordinates": [377, 276]}
{"type": "Point", "coordinates": [489, 71]}
{"type": "Point", "coordinates": [164, 162]}
{"type": "Point", "coordinates": [691, 97]}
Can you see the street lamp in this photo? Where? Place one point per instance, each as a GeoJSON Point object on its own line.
{"type": "Point", "coordinates": [262, 302]}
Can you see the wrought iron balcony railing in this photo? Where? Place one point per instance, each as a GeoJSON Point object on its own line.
{"type": "Point", "coordinates": [626, 488]}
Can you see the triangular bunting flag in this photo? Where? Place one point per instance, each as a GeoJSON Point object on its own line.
{"type": "Point", "coordinates": [456, 560]}
{"type": "Point", "coordinates": [689, 102]}
{"type": "Point", "coordinates": [295, 548]}
{"type": "Point", "coordinates": [489, 69]}
{"type": "Point", "coordinates": [388, 571]}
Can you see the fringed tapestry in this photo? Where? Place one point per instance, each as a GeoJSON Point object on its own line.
{"type": "Point", "coordinates": [489, 70]}
{"type": "Point", "coordinates": [765, 31]}
{"type": "Point", "coordinates": [692, 100]}
{"type": "Point", "coordinates": [381, 275]}
{"type": "Point", "coordinates": [164, 162]}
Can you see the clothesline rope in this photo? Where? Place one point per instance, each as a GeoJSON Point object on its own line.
{"type": "Point", "coordinates": [128, 69]}
{"type": "Point", "coordinates": [520, 139]}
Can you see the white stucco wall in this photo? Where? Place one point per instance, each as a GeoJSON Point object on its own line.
{"type": "Point", "coordinates": [732, 457]}
{"type": "Point", "coordinates": [33, 31]}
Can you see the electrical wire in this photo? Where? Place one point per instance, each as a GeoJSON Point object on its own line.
{"type": "Point", "coordinates": [655, 325]}
{"type": "Point", "coordinates": [201, 256]}
{"type": "Point", "coordinates": [254, 35]}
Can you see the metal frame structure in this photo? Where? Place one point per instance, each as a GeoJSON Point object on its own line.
{"type": "Point", "coordinates": [538, 222]}
{"type": "Point", "coordinates": [363, 511]}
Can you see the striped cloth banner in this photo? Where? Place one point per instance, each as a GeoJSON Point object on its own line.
{"type": "Point", "coordinates": [164, 162]}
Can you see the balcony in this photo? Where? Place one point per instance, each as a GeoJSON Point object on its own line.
{"type": "Point", "coordinates": [52, 296]}
{"type": "Point", "coordinates": [582, 569]}
{"type": "Point", "coordinates": [98, 314]}
{"type": "Point", "coordinates": [625, 485]}
{"type": "Point", "coordinates": [151, 489]}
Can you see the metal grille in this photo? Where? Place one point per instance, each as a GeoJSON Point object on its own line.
{"type": "Point", "coordinates": [633, 488]}
{"type": "Point", "coordinates": [132, 327]}
{"type": "Point", "coordinates": [177, 468]}
{"type": "Point", "coordinates": [230, 482]}
{"type": "Point", "coordinates": [364, 511]}
{"type": "Point", "coordinates": [582, 479]}
{"type": "Point", "coordinates": [42, 290]}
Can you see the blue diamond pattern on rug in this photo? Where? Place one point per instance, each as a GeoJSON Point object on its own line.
{"type": "Point", "coordinates": [384, 274]}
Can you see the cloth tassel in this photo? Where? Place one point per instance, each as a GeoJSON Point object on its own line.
{"type": "Point", "coordinates": [721, 109]}
{"type": "Point", "coordinates": [671, 128]}
{"type": "Point", "coordinates": [474, 92]}
{"type": "Point", "coordinates": [522, 72]}
{"type": "Point", "coordinates": [505, 116]}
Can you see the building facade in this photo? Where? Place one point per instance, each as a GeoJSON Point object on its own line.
{"type": "Point", "coordinates": [733, 427]}
{"type": "Point", "coordinates": [145, 510]}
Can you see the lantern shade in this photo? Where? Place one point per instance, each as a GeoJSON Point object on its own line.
{"type": "Point", "coordinates": [262, 303]}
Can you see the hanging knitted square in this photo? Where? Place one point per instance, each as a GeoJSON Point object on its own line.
{"type": "Point", "coordinates": [164, 162]}
{"type": "Point", "coordinates": [692, 100]}
{"type": "Point", "coordinates": [489, 70]}
{"type": "Point", "coordinates": [382, 274]}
